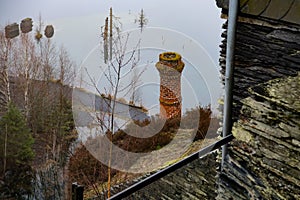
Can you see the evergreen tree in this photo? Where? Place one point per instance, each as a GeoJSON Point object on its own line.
{"type": "Point", "coordinates": [15, 153]}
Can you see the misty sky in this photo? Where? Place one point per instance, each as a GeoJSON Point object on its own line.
{"type": "Point", "coordinates": [198, 19]}
{"type": "Point", "coordinates": [77, 24]}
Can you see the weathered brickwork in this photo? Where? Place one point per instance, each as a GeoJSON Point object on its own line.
{"type": "Point", "coordinates": [170, 67]}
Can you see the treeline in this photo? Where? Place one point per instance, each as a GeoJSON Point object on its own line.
{"type": "Point", "coordinates": [36, 124]}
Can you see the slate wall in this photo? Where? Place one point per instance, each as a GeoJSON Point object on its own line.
{"type": "Point", "coordinates": [262, 53]}
{"type": "Point", "coordinates": [264, 159]}
{"type": "Point", "coordinates": [197, 180]}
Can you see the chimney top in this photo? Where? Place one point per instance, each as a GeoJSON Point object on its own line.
{"type": "Point", "coordinates": [169, 61]}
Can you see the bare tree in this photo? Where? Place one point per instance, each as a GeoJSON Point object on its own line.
{"type": "Point", "coordinates": [42, 77]}
{"type": "Point", "coordinates": [121, 60]}
{"type": "Point", "coordinates": [27, 54]}
{"type": "Point", "coordinates": [5, 44]}
{"type": "Point", "coordinates": [135, 95]}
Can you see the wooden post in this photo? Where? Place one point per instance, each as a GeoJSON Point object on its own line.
{"type": "Point", "coordinates": [105, 36]}
{"type": "Point", "coordinates": [77, 191]}
{"type": "Point", "coordinates": [110, 34]}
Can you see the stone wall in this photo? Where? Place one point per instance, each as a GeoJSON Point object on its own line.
{"type": "Point", "coordinates": [264, 159]}
{"type": "Point", "coordinates": [197, 180]}
{"type": "Point", "coordinates": [264, 51]}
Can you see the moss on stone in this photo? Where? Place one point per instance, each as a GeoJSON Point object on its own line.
{"type": "Point", "coordinates": [169, 56]}
{"type": "Point", "coordinates": [283, 92]}
{"type": "Point", "coordinates": [240, 134]}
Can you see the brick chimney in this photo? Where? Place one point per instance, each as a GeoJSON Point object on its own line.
{"type": "Point", "coordinates": [170, 67]}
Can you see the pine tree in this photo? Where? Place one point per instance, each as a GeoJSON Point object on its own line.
{"type": "Point", "coordinates": [15, 153]}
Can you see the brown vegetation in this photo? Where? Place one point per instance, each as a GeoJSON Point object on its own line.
{"type": "Point", "coordinates": [88, 171]}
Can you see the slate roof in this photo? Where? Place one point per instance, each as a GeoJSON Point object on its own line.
{"type": "Point", "coordinates": [283, 10]}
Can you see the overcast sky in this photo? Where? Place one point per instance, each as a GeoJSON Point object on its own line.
{"type": "Point", "coordinates": [77, 23]}
{"type": "Point", "coordinates": [199, 19]}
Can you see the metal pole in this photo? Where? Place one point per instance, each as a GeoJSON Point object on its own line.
{"type": "Point", "coordinates": [227, 119]}
{"type": "Point", "coordinates": [161, 173]}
